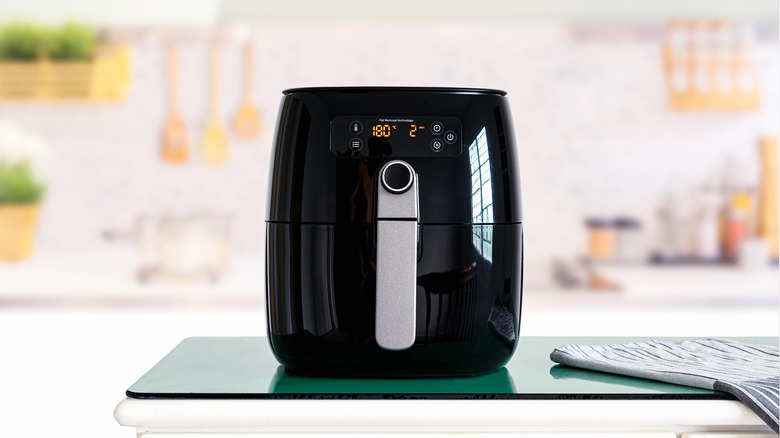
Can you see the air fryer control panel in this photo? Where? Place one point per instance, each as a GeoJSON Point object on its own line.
{"type": "Point", "coordinates": [395, 136]}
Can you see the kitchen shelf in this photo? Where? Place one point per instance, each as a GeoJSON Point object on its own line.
{"type": "Point", "coordinates": [105, 78]}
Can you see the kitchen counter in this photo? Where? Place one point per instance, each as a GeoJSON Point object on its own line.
{"type": "Point", "coordinates": [107, 281]}
{"type": "Point", "coordinates": [110, 279]}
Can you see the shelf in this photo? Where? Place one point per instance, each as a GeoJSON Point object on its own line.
{"type": "Point", "coordinates": [105, 78]}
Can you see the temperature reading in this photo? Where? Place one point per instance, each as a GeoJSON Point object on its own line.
{"type": "Point", "coordinates": [380, 130]}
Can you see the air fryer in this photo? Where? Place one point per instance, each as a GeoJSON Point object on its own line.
{"type": "Point", "coordinates": [394, 232]}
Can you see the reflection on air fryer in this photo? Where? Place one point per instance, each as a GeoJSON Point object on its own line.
{"type": "Point", "coordinates": [481, 194]}
{"type": "Point", "coordinates": [287, 382]}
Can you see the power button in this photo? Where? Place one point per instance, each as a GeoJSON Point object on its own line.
{"type": "Point", "coordinates": [450, 137]}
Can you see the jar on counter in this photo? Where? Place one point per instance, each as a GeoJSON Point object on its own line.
{"type": "Point", "coordinates": [628, 239]}
{"type": "Point", "coordinates": [601, 239]}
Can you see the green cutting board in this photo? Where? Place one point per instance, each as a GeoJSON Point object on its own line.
{"type": "Point", "coordinates": [244, 367]}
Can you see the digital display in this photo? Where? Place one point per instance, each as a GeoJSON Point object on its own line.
{"type": "Point", "coordinates": [387, 130]}
{"type": "Point", "coordinates": [394, 136]}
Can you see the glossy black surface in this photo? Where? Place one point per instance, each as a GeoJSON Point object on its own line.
{"type": "Point", "coordinates": [307, 183]}
{"type": "Point", "coordinates": [493, 385]}
{"type": "Point", "coordinates": [321, 251]}
{"type": "Point", "coordinates": [321, 294]}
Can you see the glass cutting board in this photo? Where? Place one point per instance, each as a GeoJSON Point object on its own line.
{"type": "Point", "coordinates": [244, 367]}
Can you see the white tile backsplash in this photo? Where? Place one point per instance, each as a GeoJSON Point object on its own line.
{"type": "Point", "coordinates": [593, 130]}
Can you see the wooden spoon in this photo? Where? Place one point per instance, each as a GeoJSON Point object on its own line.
{"type": "Point", "coordinates": [214, 146]}
{"type": "Point", "coordinates": [175, 145]}
{"type": "Point", "coordinates": [247, 122]}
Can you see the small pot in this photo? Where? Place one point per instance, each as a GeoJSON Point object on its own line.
{"type": "Point", "coordinates": [180, 247]}
{"type": "Point", "coordinates": [18, 223]}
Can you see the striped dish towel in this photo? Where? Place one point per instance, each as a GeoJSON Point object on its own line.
{"type": "Point", "coordinates": [749, 372]}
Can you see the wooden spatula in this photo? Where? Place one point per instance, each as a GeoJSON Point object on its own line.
{"type": "Point", "coordinates": [214, 146]}
{"type": "Point", "coordinates": [247, 122]}
{"type": "Point", "coordinates": [175, 147]}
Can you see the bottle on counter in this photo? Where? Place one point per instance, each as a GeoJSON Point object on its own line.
{"type": "Point", "coordinates": [753, 254]}
{"type": "Point", "coordinates": [768, 194]}
{"type": "Point", "coordinates": [671, 231]}
{"type": "Point", "coordinates": [628, 242]}
{"type": "Point", "coordinates": [761, 240]}
{"type": "Point", "coordinates": [752, 251]}
{"type": "Point", "coordinates": [706, 229]}
{"type": "Point", "coordinates": [738, 220]}
{"type": "Point", "coordinates": [737, 211]}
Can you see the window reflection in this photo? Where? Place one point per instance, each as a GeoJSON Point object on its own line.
{"type": "Point", "coordinates": [481, 195]}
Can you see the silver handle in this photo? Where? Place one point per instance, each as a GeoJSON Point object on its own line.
{"type": "Point", "coordinates": [396, 256]}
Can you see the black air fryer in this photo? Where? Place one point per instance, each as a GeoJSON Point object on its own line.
{"type": "Point", "coordinates": [394, 232]}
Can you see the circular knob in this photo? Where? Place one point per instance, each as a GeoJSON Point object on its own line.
{"type": "Point", "coordinates": [397, 177]}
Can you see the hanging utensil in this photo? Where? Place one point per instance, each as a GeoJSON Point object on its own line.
{"type": "Point", "coordinates": [247, 123]}
{"type": "Point", "coordinates": [175, 147]}
{"type": "Point", "coordinates": [214, 146]}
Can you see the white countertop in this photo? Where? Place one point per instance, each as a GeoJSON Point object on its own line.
{"type": "Point", "coordinates": [407, 417]}
{"type": "Point", "coordinates": [109, 279]}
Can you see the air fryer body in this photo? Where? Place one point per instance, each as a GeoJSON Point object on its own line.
{"type": "Point", "coordinates": [321, 276]}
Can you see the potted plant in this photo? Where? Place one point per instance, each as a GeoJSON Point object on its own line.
{"type": "Point", "coordinates": [20, 46]}
{"type": "Point", "coordinates": [60, 62]}
{"type": "Point", "coordinates": [21, 190]}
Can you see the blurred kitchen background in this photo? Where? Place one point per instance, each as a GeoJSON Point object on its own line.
{"type": "Point", "coordinates": [135, 140]}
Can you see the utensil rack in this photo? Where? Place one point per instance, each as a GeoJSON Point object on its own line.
{"type": "Point", "coordinates": [709, 65]}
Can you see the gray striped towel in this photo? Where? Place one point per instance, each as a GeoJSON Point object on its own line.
{"type": "Point", "coordinates": [749, 372]}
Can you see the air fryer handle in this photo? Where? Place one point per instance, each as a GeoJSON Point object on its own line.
{"type": "Point", "coordinates": [396, 256]}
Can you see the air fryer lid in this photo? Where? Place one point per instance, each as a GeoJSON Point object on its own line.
{"type": "Point", "coordinates": [443, 90]}
{"type": "Point", "coordinates": [331, 144]}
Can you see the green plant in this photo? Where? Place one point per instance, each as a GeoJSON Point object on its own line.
{"type": "Point", "coordinates": [18, 184]}
{"type": "Point", "coordinates": [21, 41]}
{"type": "Point", "coordinates": [71, 42]}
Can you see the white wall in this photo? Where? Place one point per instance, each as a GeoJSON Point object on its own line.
{"type": "Point", "coordinates": [594, 132]}
{"type": "Point", "coordinates": [114, 12]}
{"type": "Point", "coordinates": [205, 12]}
